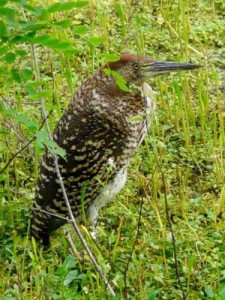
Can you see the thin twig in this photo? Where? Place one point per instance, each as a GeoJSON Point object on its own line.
{"type": "Point", "coordinates": [74, 250]}
{"type": "Point", "coordinates": [8, 103]}
{"type": "Point", "coordinates": [51, 214]}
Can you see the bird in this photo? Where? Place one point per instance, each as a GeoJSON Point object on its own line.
{"type": "Point", "coordinates": [101, 129]}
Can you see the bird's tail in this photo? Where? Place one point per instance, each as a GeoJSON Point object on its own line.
{"type": "Point", "coordinates": [39, 226]}
{"type": "Point", "coordinates": [43, 223]}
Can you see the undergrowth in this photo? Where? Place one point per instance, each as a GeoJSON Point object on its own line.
{"type": "Point", "coordinates": [163, 236]}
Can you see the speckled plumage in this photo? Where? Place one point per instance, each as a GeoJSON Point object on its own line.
{"type": "Point", "coordinates": [100, 137]}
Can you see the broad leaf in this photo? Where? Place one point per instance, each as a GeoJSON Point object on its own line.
{"type": "Point", "coordinates": [27, 74]}
{"type": "Point", "coordinates": [80, 30]}
{"type": "Point", "coordinates": [70, 277]}
{"type": "Point", "coordinates": [16, 75]}
{"type": "Point", "coordinates": [111, 57]}
{"type": "Point", "coordinates": [5, 11]}
{"type": "Point", "coordinates": [4, 32]}
{"type": "Point", "coordinates": [10, 57]}
{"type": "Point", "coordinates": [63, 23]}
{"type": "Point", "coordinates": [59, 6]}
{"type": "Point", "coordinates": [96, 40]}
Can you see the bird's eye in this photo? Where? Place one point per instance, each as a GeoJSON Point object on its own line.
{"type": "Point", "coordinates": [136, 66]}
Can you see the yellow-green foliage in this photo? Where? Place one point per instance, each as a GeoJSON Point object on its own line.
{"type": "Point", "coordinates": [181, 162]}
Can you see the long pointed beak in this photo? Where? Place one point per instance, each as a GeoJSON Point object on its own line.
{"type": "Point", "coordinates": [158, 67]}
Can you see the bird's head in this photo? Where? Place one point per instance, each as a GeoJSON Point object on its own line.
{"type": "Point", "coordinates": [139, 68]}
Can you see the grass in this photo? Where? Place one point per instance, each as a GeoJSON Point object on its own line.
{"type": "Point", "coordinates": [181, 162]}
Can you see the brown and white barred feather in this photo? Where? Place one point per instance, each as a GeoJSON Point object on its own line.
{"type": "Point", "coordinates": [99, 140]}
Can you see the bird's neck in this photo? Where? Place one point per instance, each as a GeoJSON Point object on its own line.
{"type": "Point", "coordinates": [102, 94]}
{"type": "Point", "coordinates": [106, 84]}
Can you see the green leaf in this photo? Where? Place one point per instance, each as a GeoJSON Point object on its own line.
{"type": "Point", "coordinates": [2, 177]}
{"type": "Point", "coordinates": [69, 78]}
{"type": "Point", "coordinates": [12, 21]}
{"type": "Point", "coordinates": [42, 135]}
{"type": "Point", "coordinates": [10, 57]}
{"type": "Point", "coordinates": [35, 26]}
{"type": "Point", "coordinates": [3, 2]}
{"type": "Point", "coordinates": [71, 51]}
{"type": "Point", "coordinates": [31, 87]}
{"type": "Point", "coordinates": [152, 295]}
{"type": "Point", "coordinates": [16, 75]}
{"type": "Point", "coordinates": [119, 11]}
{"type": "Point", "coordinates": [122, 86]}
{"type": "Point", "coordinates": [22, 38]}
{"type": "Point", "coordinates": [3, 49]}
{"type": "Point", "coordinates": [64, 23]}
{"type": "Point", "coordinates": [60, 152]}
{"type": "Point", "coordinates": [4, 132]}
{"type": "Point", "coordinates": [20, 2]}
{"type": "Point", "coordinates": [54, 7]}
{"type": "Point", "coordinates": [56, 44]}
{"type": "Point", "coordinates": [30, 90]}
{"type": "Point", "coordinates": [120, 81]}
{"type": "Point", "coordinates": [41, 39]}
{"type": "Point", "coordinates": [107, 71]}
{"type": "Point", "coordinates": [36, 83]}
{"type": "Point", "coordinates": [51, 144]}
{"type": "Point", "coordinates": [17, 39]}
{"type": "Point", "coordinates": [209, 291]}
{"type": "Point", "coordinates": [10, 112]}
{"type": "Point", "coordinates": [59, 6]}
{"type": "Point", "coordinates": [27, 74]}
{"type": "Point", "coordinates": [96, 40]}
{"type": "Point", "coordinates": [5, 11]}
{"type": "Point", "coordinates": [80, 30]}
{"type": "Point", "coordinates": [69, 262]}
{"type": "Point", "coordinates": [32, 126]}
{"type": "Point", "coordinates": [2, 107]}
{"type": "Point", "coordinates": [21, 53]}
{"type": "Point", "coordinates": [3, 71]}
{"type": "Point", "coordinates": [59, 44]}
{"type": "Point", "coordinates": [54, 148]}
{"type": "Point", "coordinates": [70, 277]}
{"type": "Point", "coordinates": [42, 94]}
{"type": "Point", "coordinates": [37, 11]}
{"type": "Point", "coordinates": [43, 139]}
{"type": "Point", "coordinates": [80, 4]}
{"type": "Point", "coordinates": [24, 119]}
{"type": "Point", "coordinates": [111, 57]}
{"type": "Point", "coordinates": [4, 32]}
{"type": "Point", "coordinates": [221, 291]}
